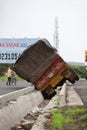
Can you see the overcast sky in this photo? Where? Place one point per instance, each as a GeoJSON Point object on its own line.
{"type": "Point", "coordinates": [36, 18]}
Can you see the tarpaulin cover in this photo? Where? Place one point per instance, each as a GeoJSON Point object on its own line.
{"type": "Point", "coordinates": [35, 60]}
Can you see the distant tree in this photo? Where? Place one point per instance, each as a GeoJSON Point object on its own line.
{"type": "Point", "coordinates": [3, 69]}
{"type": "Point", "coordinates": [80, 70]}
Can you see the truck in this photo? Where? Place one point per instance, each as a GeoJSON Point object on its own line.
{"type": "Point", "coordinates": [41, 65]}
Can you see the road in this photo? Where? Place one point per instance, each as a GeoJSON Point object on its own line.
{"type": "Point", "coordinates": [81, 89]}
{"type": "Point", "coordinates": [4, 89]}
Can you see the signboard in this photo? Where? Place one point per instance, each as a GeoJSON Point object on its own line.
{"type": "Point", "coordinates": [11, 48]}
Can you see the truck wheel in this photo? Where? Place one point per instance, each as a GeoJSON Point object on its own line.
{"type": "Point", "coordinates": [86, 77]}
{"type": "Point", "coordinates": [46, 96]}
{"type": "Point", "coordinates": [76, 78]}
{"type": "Point", "coordinates": [71, 81]}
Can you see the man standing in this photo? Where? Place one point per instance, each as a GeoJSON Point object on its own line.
{"type": "Point", "coordinates": [9, 75]}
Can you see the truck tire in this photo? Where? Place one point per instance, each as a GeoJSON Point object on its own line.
{"type": "Point", "coordinates": [76, 78]}
{"type": "Point", "coordinates": [71, 81]}
{"type": "Point", "coordinates": [46, 96]}
{"type": "Point", "coordinates": [86, 77]}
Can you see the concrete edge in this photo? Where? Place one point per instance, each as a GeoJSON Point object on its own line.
{"type": "Point", "coordinates": [62, 96]}
{"type": "Point", "coordinates": [15, 111]}
{"type": "Point", "coordinates": [14, 95]}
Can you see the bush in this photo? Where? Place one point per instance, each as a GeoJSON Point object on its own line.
{"type": "Point", "coordinates": [80, 70]}
{"type": "Point", "coordinates": [3, 68]}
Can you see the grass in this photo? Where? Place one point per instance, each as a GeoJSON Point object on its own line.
{"type": "Point", "coordinates": [71, 118]}
{"type": "Point", "coordinates": [4, 78]}
{"type": "Point", "coordinates": [76, 111]}
{"type": "Point", "coordinates": [58, 120]}
{"type": "Point", "coordinates": [83, 117]}
{"type": "Point", "coordinates": [58, 101]}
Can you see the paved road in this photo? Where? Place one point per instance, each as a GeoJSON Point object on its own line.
{"type": "Point", "coordinates": [81, 89]}
{"type": "Point", "coordinates": [4, 89]}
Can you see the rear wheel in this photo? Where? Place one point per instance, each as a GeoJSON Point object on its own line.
{"type": "Point", "coordinates": [76, 78]}
{"type": "Point", "coordinates": [86, 77]}
{"type": "Point", "coordinates": [46, 96]}
{"type": "Point", "coordinates": [71, 81]}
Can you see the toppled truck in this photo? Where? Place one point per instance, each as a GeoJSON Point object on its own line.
{"type": "Point", "coordinates": [41, 65]}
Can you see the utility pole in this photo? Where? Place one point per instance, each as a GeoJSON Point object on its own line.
{"type": "Point", "coordinates": [56, 40]}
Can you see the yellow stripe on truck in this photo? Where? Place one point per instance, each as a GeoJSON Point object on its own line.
{"type": "Point", "coordinates": [55, 80]}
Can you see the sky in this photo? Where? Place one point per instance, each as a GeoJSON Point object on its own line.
{"type": "Point", "coordinates": [36, 18]}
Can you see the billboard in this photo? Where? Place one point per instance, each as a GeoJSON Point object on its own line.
{"type": "Point", "coordinates": [11, 48]}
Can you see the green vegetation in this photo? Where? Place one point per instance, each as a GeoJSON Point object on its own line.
{"type": "Point", "coordinates": [76, 111]}
{"type": "Point", "coordinates": [3, 70]}
{"type": "Point", "coordinates": [68, 118]}
{"type": "Point", "coordinates": [4, 78]}
{"type": "Point", "coordinates": [80, 70]}
{"type": "Point", "coordinates": [57, 102]}
{"type": "Point", "coordinates": [58, 120]}
{"type": "Point", "coordinates": [83, 117]}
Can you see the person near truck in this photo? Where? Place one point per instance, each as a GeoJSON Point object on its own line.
{"type": "Point", "coordinates": [9, 76]}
